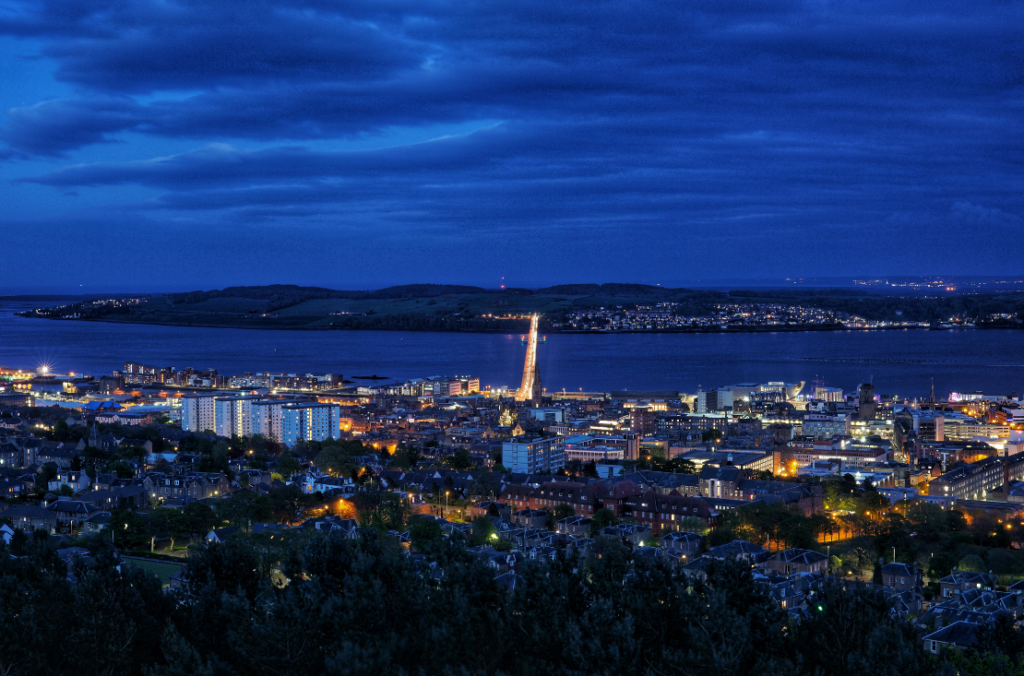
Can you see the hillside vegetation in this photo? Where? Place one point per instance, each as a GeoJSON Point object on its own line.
{"type": "Point", "coordinates": [438, 307]}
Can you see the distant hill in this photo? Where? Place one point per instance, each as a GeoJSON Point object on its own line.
{"type": "Point", "coordinates": [278, 291]}
{"type": "Point", "coordinates": [446, 307]}
{"type": "Point", "coordinates": [293, 291]}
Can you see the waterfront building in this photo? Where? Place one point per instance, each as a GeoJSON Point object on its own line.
{"type": "Point", "coordinates": [286, 381]}
{"type": "Point", "coordinates": [830, 394]}
{"type": "Point", "coordinates": [144, 374]}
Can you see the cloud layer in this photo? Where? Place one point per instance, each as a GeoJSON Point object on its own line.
{"type": "Point", "coordinates": [798, 128]}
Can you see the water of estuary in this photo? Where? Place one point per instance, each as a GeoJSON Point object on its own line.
{"type": "Point", "coordinates": [898, 362]}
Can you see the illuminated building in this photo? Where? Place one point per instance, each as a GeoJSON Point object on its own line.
{"type": "Point", "coordinates": [529, 455]}
{"type": "Point", "coordinates": [974, 480]}
{"type": "Point", "coordinates": [821, 426]}
{"type": "Point", "coordinates": [266, 417]}
{"type": "Point", "coordinates": [309, 422]}
{"type": "Point", "coordinates": [832, 394]}
{"type": "Point", "coordinates": [233, 416]}
{"type": "Point", "coordinates": [642, 421]}
{"type": "Point", "coordinates": [198, 413]}
{"type": "Point", "coordinates": [143, 374]}
{"type": "Point", "coordinates": [555, 415]}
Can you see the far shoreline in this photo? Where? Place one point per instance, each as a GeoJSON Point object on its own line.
{"type": "Point", "coordinates": [804, 328]}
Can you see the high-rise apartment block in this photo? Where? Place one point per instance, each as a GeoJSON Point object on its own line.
{"type": "Point", "coordinates": [233, 416]}
{"type": "Point", "coordinates": [309, 422]}
{"type": "Point", "coordinates": [266, 417]}
{"type": "Point", "coordinates": [531, 455]}
{"type": "Point", "coordinates": [198, 412]}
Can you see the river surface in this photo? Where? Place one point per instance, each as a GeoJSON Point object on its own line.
{"type": "Point", "coordinates": [898, 362]}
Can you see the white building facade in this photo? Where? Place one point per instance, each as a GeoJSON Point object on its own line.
{"type": "Point", "coordinates": [309, 422]}
{"type": "Point", "coordinates": [197, 412]}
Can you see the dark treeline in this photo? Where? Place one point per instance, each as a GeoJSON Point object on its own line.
{"type": "Point", "coordinates": [359, 606]}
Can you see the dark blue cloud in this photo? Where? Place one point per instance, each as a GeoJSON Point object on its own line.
{"type": "Point", "coordinates": [149, 46]}
{"type": "Point", "coordinates": [790, 125]}
{"type": "Point", "coordinates": [56, 126]}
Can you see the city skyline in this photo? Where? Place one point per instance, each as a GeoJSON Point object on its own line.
{"type": "Point", "coordinates": [344, 146]}
{"type": "Point", "coordinates": [590, 338]}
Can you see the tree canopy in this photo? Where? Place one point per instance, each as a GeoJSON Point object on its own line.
{"type": "Point", "coordinates": [359, 606]}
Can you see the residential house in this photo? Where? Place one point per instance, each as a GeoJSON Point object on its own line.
{"type": "Point", "coordinates": [492, 558]}
{"type": "Point", "coordinates": [71, 513]}
{"type": "Point", "coordinates": [631, 534]}
{"type": "Point", "coordinates": [194, 485]}
{"type": "Point", "coordinates": [11, 487]}
{"type": "Point", "coordinates": [96, 523]}
{"type": "Point", "coordinates": [530, 518]}
{"type": "Point", "coordinates": [221, 535]}
{"type": "Point", "coordinates": [11, 456]}
{"type": "Point", "coordinates": [12, 424]}
{"type": "Point", "coordinates": [682, 544]}
{"type": "Point", "coordinates": [664, 513]}
{"type": "Point", "coordinates": [574, 525]}
{"type": "Point", "coordinates": [791, 561]}
{"type": "Point", "coordinates": [77, 481]}
{"type": "Point", "coordinates": [958, 582]}
{"type": "Point", "coordinates": [900, 576]}
{"type": "Point", "coordinates": [583, 498]}
{"type": "Point", "coordinates": [125, 497]}
{"type": "Point", "coordinates": [483, 508]}
{"type": "Point", "coordinates": [253, 477]}
{"type": "Point", "coordinates": [959, 636]}
{"type": "Point", "coordinates": [30, 518]}
{"type": "Point", "coordinates": [59, 455]}
{"type": "Point", "coordinates": [517, 496]}
{"type": "Point", "coordinates": [317, 482]}
{"type": "Point", "coordinates": [333, 524]}
{"type": "Point", "coordinates": [745, 551]}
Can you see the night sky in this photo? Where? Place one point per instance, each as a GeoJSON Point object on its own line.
{"type": "Point", "coordinates": [181, 145]}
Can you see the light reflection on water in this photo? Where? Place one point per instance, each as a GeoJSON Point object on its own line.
{"type": "Point", "coordinates": [899, 362]}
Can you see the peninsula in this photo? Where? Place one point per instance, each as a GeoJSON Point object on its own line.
{"type": "Point", "coordinates": [590, 308]}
